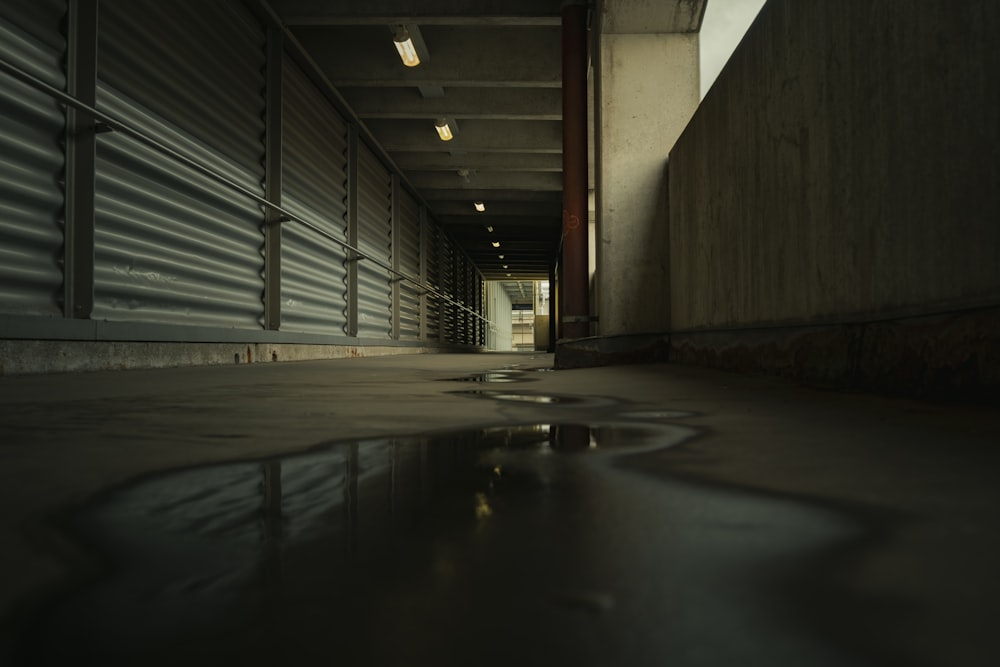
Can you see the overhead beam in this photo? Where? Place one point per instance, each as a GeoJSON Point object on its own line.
{"type": "Point", "coordinates": [644, 17]}
{"type": "Point", "coordinates": [501, 180]}
{"type": "Point", "coordinates": [434, 196]}
{"type": "Point", "coordinates": [363, 56]}
{"type": "Point", "coordinates": [483, 162]}
{"type": "Point", "coordinates": [474, 136]}
{"type": "Point", "coordinates": [497, 210]}
{"type": "Point", "coordinates": [428, 12]}
{"type": "Point", "coordinates": [460, 103]}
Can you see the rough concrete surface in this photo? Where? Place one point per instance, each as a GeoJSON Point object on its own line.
{"type": "Point", "coordinates": [906, 575]}
{"type": "Point", "coordinates": [844, 163]}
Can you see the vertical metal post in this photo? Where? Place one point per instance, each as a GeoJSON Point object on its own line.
{"type": "Point", "coordinates": [272, 180]}
{"type": "Point", "coordinates": [552, 308]}
{"type": "Point", "coordinates": [81, 161]}
{"type": "Point", "coordinates": [575, 313]}
{"type": "Point", "coordinates": [424, 249]}
{"type": "Point", "coordinates": [395, 247]}
{"type": "Point", "coordinates": [352, 229]}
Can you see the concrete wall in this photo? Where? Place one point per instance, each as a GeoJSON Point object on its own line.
{"type": "Point", "coordinates": [844, 168]}
{"type": "Point", "coordinates": [844, 164]}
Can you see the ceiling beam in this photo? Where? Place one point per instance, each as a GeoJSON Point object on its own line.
{"type": "Point", "coordinates": [460, 103]}
{"type": "Point", "coordinates": [474, 136]}
{"type": "Point", "coordinates": [363, 56]}
{"type": "Point", "coordinates": [429, 12]}
{"type": "Point", "coordinates": [501, 180]}
{"type": "Point", "coordinates": [483, 162]}
{"type": "Point", "coordinates": [521, 196]}
{"type": "Point", "coordinates": [497, 210]}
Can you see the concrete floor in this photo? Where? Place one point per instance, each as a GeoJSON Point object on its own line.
{"type": "Point", "coordinates": [775, 524]}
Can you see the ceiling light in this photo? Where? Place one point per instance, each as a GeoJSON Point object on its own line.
{"type": "Point", "coordinates": [496, 244]}
{"type": "Point", "coordinates": [445, 129]}
{"type": "Point", "coordinates": [407, 51]}
{"type": "Point", "coordinates": [480, 206]}
{"type": "Point", "coordinates": [489, 228]}
{"type": "Point", "coordinates": [508, 275]}
{"type": "Point", "coordinates": [505, 266]}
{"type": "Point", "coordinates": [500, 256]}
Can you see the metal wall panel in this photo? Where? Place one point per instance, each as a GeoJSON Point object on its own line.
{"type": "Point", "coordinates": [31, 160]}
{"type": "Point", "coordinates": [462, 296]}
{"type": "Point", "coordinates": [314, 186]}
{"type": "Point", "coordinates": [174, 246]}
{"type": "Point", "coordinates": [374, 239]}
{"type": "Point", "coordinates": [433, 278]}
{"type": "Point", "coordinates": [408, 247]}
{"type": "Point", "coordinates": [448, 313]}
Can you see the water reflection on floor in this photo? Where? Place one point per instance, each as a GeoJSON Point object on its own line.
{"type": "Point", "coordinates": [510, 545]}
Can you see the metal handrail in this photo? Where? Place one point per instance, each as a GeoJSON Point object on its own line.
{"type": "Point", "coordinates": [286, 215]}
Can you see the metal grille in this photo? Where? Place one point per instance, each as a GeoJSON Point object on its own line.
{"type": "Point", "coordinates": [173, 246]}
{"type": "Point", "coordinates": [31, 160]}
{"type": "Point", "coordinates": [374, 238]}
{"type": "Point", "coordinates": [314, 168]}
{"type": "Point", "coordinates": [408, 245]}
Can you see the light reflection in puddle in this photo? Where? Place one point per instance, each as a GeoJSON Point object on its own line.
{"type": "Point", "coordinates": [425, 550]}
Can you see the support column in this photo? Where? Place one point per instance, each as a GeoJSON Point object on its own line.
{"type": "Point", "coordinates": [647, 88]}
{"type": "Point", "coordinates": [81, 156]}
{"type": "Point", "coordinates": [575, 310]}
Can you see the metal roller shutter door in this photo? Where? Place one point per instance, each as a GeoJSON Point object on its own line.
{"type": "Point", "coordinates": [374, 240]}
{"type": "Point", "coordinates": [172, 245]}
{"type": "Point", "coordinates": [448, 314]}
{"type": "Point", "coordinates": [314, 186]}
{"type": "Point", "coordinates": [409, 264]}
{"type": "Point", "coordinates": [433, 302]}
{"type": "Point", "coordinates": [31, 161]}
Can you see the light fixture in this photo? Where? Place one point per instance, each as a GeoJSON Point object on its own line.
{"type": "Point", "coordinates": [505, 266]}
{"type": "Point", "coordinates": [480, 206]}
{"type": "Point", "coordinates": [500, 256]}
{"type": "Point", "coordinates": [445, 129]}
{"type": "Point", "coordinates": [405, 46]}
{"type": "Point", "coordinates": [508, 275]}
{"type": "Point", "coordinates": [489, 228]}
{"type": "Point", "coordinates": [496, 244]}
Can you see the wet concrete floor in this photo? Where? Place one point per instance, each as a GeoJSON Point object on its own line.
{"type": "Point", "coordinates": [640, 516]}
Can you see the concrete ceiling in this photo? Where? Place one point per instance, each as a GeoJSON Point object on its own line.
{"type": "Point", "coordinates": [495, 67]}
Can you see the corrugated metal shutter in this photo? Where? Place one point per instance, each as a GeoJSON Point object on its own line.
{"type": "Point", "coordinates": [374, 238]}
{"type": "Point", "coordinates": [31, 160]}
{"type": "Point", "coordinates": [448, 315]}
{"type": "Point", "coordinates": [433, 278]}
{"type": "Point", "coordinates": [174, 246]}
{"type": "Point", "coordinates": [314, 185]}
{"type": "Point", "coordinates": [461, 296]}
{"type": "Point", "coordinates": [409, 263]}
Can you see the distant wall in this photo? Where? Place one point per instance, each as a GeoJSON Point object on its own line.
{"type": "Point", "coordinates": [845, 169]}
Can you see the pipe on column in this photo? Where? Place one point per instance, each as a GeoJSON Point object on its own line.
{"type": "Point", "coordinates": [575, 307]}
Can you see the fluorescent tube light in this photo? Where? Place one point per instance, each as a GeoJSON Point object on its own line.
{"type": "Point", "coordinates": [404, 45]}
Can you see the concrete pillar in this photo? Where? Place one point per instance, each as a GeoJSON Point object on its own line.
{"type": "Point", "coordinates": [647, 88]}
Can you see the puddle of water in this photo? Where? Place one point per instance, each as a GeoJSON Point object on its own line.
{"type": "Point", "coordinates": [519, 398]}
{"type": "Point", "coordinates": [479, 547]}
{"type": "Point", "coordinates": [656, 414]}
{"type": "Point", "coordinates": [491, 377]}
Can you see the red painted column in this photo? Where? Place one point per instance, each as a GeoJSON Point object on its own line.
{"type": "Point", "coordinates": [575, 307]}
